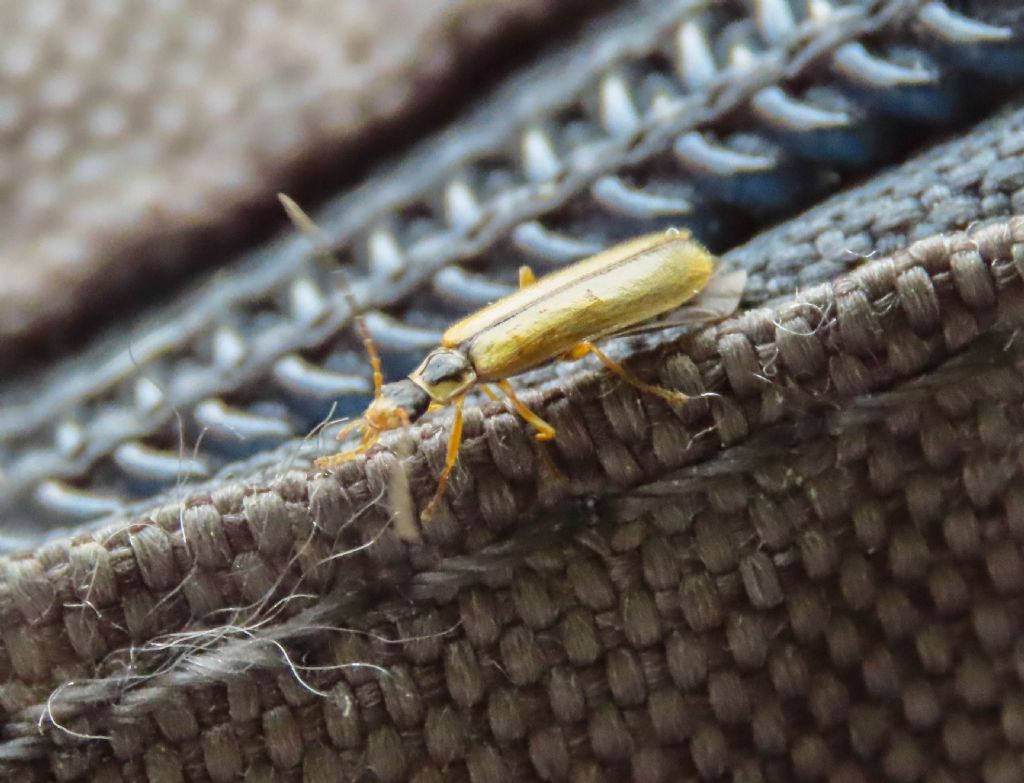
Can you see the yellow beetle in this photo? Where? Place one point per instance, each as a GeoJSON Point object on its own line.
{"type": "Point", "coordinates": [556, 316]}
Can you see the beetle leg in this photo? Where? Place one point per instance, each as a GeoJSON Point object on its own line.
{"type": "Point", "coordinates": [454, 440]}
{"type": "Point", "coordinates": [526, 276]}
{"type": "Point", "coordinates": [489, 391]}
{"type": "Point", "coordinates": [370, 436]}
{"type": "Point", "coordinates": [669, 395]}
{"type": "Point", "coordinates": [544, 430]}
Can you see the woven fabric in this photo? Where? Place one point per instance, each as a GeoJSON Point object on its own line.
{"type": "Point", "coordinates": [810, 571]}
{"type": "Point", "coordinates": [825, 589]}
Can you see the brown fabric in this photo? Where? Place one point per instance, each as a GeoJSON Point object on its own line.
{"type": "Point", "coordinates": [125, 123]}
{"type": "Point", "coordinates": [641, 647]}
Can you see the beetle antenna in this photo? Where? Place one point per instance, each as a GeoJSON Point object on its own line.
{"type": "Point", "coordinates": [322, 247]}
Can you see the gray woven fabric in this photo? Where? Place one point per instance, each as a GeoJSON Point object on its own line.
{"type": "Point", "coordinates": [812, 571]}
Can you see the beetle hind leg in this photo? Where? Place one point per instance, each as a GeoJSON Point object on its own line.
{"type": "Point", "coordinates": [669, 395]}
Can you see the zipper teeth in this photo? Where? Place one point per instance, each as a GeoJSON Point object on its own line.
{"type": "Point", "coordinates": [268, 323]}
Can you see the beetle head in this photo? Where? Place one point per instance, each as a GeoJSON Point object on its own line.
{"type": "Point", "coordinates": [444, 375]}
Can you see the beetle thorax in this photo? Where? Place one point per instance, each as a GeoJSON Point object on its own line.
{"type": "Point", "coordinates": [444, 374]}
